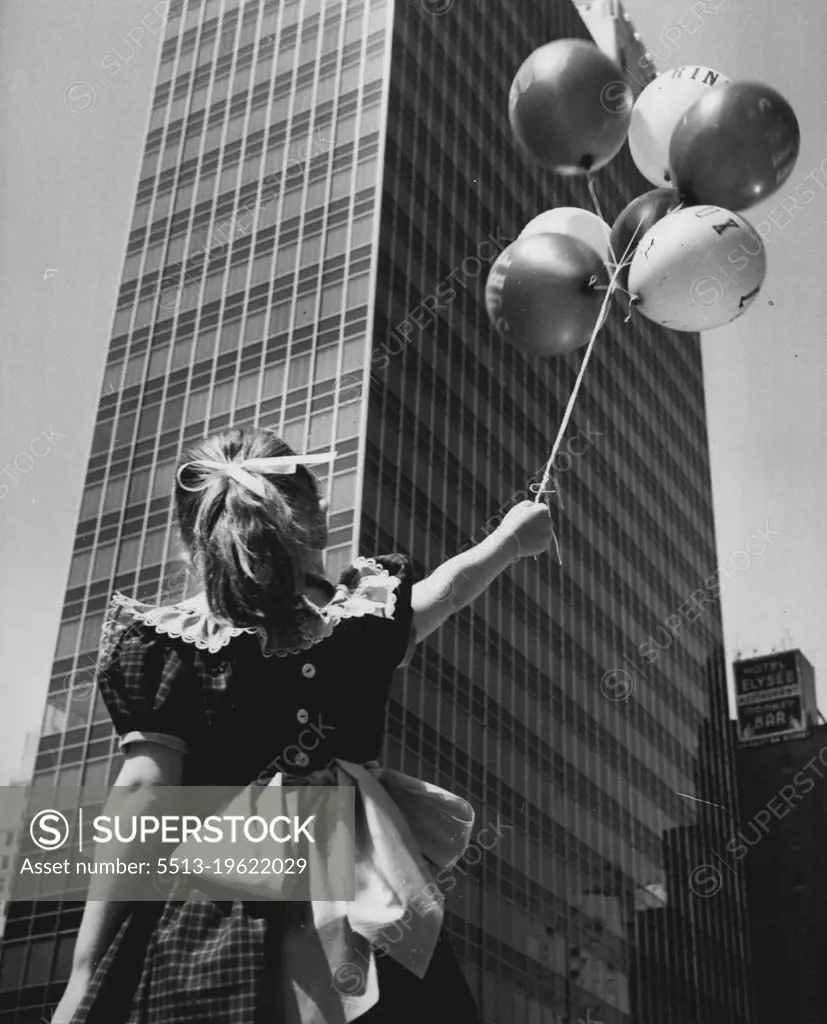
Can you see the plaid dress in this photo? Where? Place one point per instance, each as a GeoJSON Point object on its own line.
{"type": "Point", "coordinates": [237, 702]}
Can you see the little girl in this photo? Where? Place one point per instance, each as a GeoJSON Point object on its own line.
{"type": "Point", "coordinates": [213, 690]}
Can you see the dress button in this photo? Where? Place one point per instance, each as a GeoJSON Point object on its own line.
{"type": "Point", "coordinates": [302, 760]}
{"type": "Point", "coordinates": [308, 670]}
{"type": "Point", "coordinates": [301, 716]}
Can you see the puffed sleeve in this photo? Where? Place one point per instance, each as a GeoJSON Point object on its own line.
{"type": "Point", "coordinates": [143, 680]}
{"type": "Point", "coordinates": [387, 581]}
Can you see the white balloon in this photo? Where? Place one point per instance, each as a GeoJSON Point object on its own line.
{"type": "Point", "coordinates": [575, 222]}
{"type": "Point", "coordinates": [697, 269]}
{"type": "Point", "coordinates": [657, 111]}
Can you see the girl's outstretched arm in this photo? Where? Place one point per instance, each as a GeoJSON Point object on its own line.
{"type": "Point", "coordinates": [525, 530]}
{"type": "Point", "coordinates": [146, 766]}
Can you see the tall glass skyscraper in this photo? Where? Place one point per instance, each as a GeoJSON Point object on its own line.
{"type": "Point", "coordinates": [325, 185]}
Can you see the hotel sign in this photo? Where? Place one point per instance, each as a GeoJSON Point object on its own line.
{"type": "Point", "coordinates": [768, 698]}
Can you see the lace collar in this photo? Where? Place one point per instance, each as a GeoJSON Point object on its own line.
{"type": "Point", "coordinates": [371, 592]}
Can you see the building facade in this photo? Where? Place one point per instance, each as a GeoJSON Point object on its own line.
{"type": "Point", "coordinates": [324, 188]}
{"type": "Point", "coordinates": [779, 847]}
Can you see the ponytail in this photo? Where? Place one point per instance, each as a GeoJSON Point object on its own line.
{"type": "Point", "coordinates": [250, 550]}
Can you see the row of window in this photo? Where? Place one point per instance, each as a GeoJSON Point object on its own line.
{"type": "Point", "coordinates": [255, 67]}
{"type": "Point", "coordinates": [175, 298]}
{"type": "Point", "coordinates": [212, 399]}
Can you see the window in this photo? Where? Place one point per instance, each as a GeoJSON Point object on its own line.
{"type": "Point", "coordinates": [222, 398]}
{"type": "Point", "coordinates": [350, 79]}
{"type": "Point", "coordinates": [345, 129]}
{"type": "Point", "coordinates": [164, 478]}
{"type": "Point", "coordinates": [67, 638]}
{"type": "Point", "coordinates": [305, 310]}
{"type": "Point", "coordinates": [173, 413]}
{"type": "Point", "coordinates": [348, 423]}
{"type": "Point", "coordinates": [311, 250]}
{"type": "Point", "coordinates": [247, 390]}
{"type": "Point", "coordinates": [138, 487]}
{"type": "Point", "coordinates": [353, 354]}
{"type": "Point", "coordinates": [302, 99]}
{"type": "Point", "coordinates": [154, 547]}
{"type": "Point", "coordinates": [315, 194]}
{"type": "Point", "coordinates": [332, 297]}
{"type": "Point", "coordinates": [205, 345]}
{"type": "Point", "coordinates": [134, 370]}
{"type": "Point", "coordinates": [341, 183]}
{"type": "Point", "coordinates": [294, 435]}
{"type": "Point", "coordinates": [125, 428]}
{"type": "Point", "coordinates": [336, 242]}
{"type": "Point", "coordinates": [101, 437]}
{"type": "Point", "coordinates": [262, 269]}
{"type": "Point", "coordinates": [158, 362]}
{"type": "Point", "coordinates": [343, 495]}
{"type": "Point", "coordinates": [114, 494]}
{"type": "Point", "coordinates": [96, 774]}
{"type": "Point", "coordinates": [286, 260]}
{"type": "Point", "coordinates": [91, 501]}
{"type": "Point", "coordinates": [280, 317]}
{"type": "Point", "coordinates": [128, 555]}
{"type": "Point", "coordinates": [273, 382]}
{"type": "Point", "coordinates": [102, 565]}
{"type": "Point", "coordinates": [358, 290]}
{"type": "Point", "coordinates": [148, 425]}
{"type": "Point", "coordinates": [197, 406]}
{"type": "Point", "coordinates": [327, 360]}
{"type": "Point", "coordinates": [299, 372]}
{"type": "Point", "coordinates": [13, 961]}
{"type": "Point", "coordinates": [337, 560]}
{"type": "Point", "coordinates": [362, 231]}
{"type": "Point", "coordinates": [254, 328]}
{"type": "Point", "coordinates": [371, 120]}
{"type": "Point", "coordinates": [230, 335]}
{"type": "Point", "coordinates": [79, 568]}
{"type": "Point", "coordinates": [321, 429]}
{"type": "Point", "coordinates": [91, 633]}
{"type": "Point", "coordinates": [366, 175]}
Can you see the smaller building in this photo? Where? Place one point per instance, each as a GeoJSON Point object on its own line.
{"type": "Point", "coordinates": [10, 823]}
{"type": "Point", "coordinates": [781, 843]}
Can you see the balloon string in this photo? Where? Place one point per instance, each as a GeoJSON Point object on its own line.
{"type": "Point", "coordinates": [599, 211]}
{"type": "Point", "coordinates": [549, 469]}
{"type": "Point", "coordinates": [573, 398]}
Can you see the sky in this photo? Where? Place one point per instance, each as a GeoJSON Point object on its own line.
{"type": "Point", "coordinates": [73, 134]}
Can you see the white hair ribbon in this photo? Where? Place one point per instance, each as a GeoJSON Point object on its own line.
{"type": "Point", "coordinates": [248, 472]}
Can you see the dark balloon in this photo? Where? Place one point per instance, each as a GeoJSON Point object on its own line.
{"type": "Point", "coordinates": [542, 293]}
{"type": "Point", "coordinates": [633, 223]}
{"type": "Point", "coordinates": [570, 107]}
{"type": "Point", "coordinates": [734, 147]}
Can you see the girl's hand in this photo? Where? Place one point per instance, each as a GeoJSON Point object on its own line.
{"type": "Point", "coordinates": [529, 524]}
{"type": "Point", "coordinates": [73, 996]}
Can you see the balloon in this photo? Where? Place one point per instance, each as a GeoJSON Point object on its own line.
{"type": "Point", "coordinates": [697, 269]}
{"type": "Point", "coordinates": [735, 147]}
{"type": "Point", "coordinates": [657, 112]}
{"type": "Point", "coordinates": [635, 220]}
{"type": "Point", "coordinates": [542, 293]}
{"type": "Point", "coordinates": [570, 107]}
{"type": "Point", "coordinates": [577, 223]}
